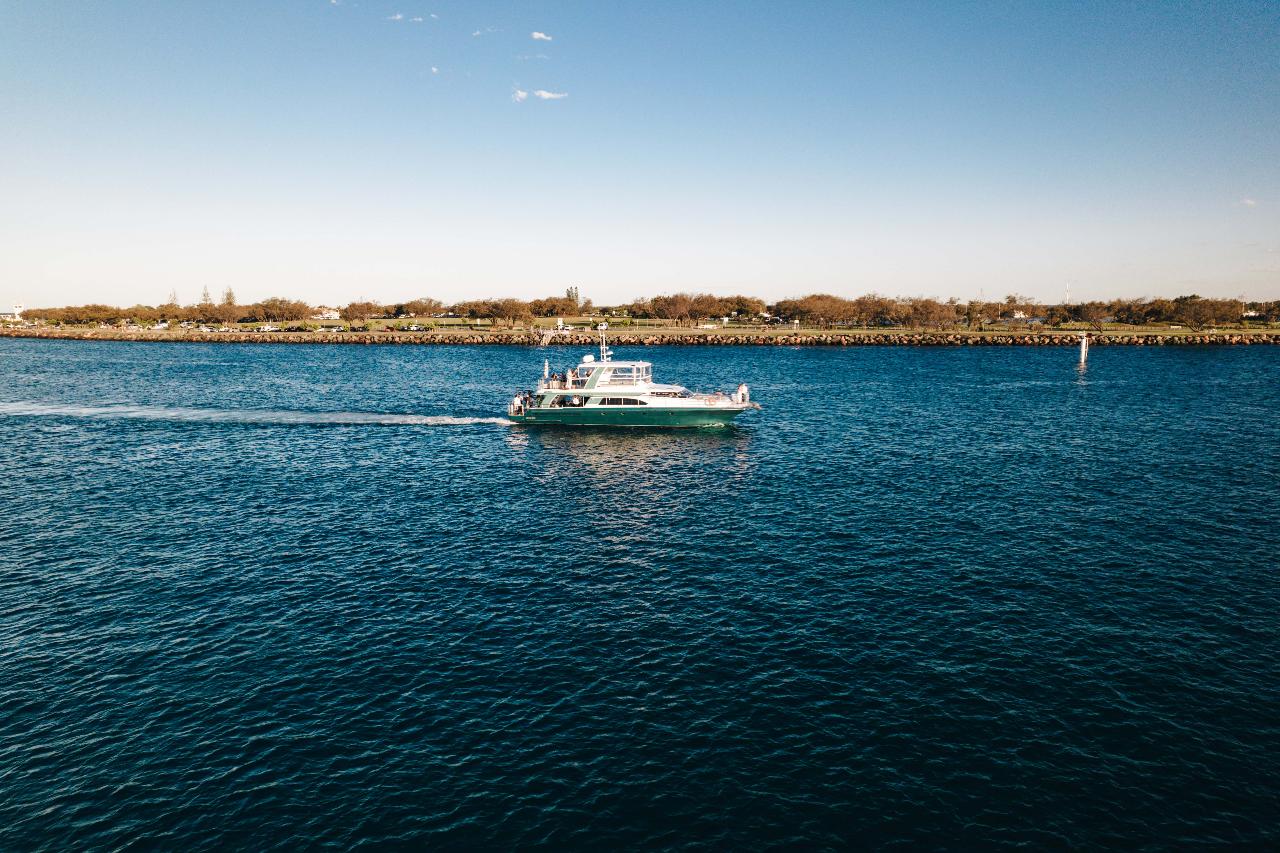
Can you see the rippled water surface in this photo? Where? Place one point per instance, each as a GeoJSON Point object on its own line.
{"type": "Point", "coordinates": [258, 597]}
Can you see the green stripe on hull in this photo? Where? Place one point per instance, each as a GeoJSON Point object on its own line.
{"type": "Point", "coordinates": [628, 417]}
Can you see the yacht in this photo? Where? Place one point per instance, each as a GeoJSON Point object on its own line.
{"type": "Point", "coordinates": [604, 392]}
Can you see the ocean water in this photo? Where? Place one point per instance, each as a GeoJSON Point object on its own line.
{"type": "Point", "coordinates": [260, 597]}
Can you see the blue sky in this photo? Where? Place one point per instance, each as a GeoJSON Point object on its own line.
{"type": "Point", "coordinates": [329, 151]}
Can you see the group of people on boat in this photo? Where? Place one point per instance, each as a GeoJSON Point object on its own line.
{"type": "Point", "coordinates": [521, 401]}
{"type": "Point", "coordinates": [568, 379]}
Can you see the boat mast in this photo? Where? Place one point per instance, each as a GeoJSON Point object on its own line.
{"type": "Point", "coordinates": [605, 352]}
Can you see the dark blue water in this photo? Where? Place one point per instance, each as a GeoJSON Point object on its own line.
{"type": "Point", "coordinates": [266, 597]}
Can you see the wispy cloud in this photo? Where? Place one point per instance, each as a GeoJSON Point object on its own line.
{"type": "Point", "coordinates": [434, 16]}
{"type": "Point", "coordinates": [396, 17]}
{"type": "Point", "coordinates": [549, 96]}
{"type": "Point", "coordinates": [416, 20]}
{"type": "Point", "coordinates": [525, 57]}
{"type": "Point", "coordinates": [519, 95]}
{"type": "Point", "coordinates": [537, 36]}
{"type": "Point", "coordinates": [1249, 202]}
{"type": "Point", "coordinates": [483, 32]}
{"type": "Point", "coordinates": [435, 69]}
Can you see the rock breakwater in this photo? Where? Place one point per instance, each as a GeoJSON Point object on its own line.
{"type": "Point", "coordinates": [656, 338]}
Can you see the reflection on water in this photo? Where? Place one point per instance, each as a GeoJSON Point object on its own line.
{"type": "Point", "coordinates": [639, 463]}
{"type": "Point", "coordinates": [606, 446]}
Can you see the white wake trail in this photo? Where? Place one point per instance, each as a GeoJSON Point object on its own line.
{"type": "Point", "coordinates": [238, 416]}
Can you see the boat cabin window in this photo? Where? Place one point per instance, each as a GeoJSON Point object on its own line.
{"type": "Point", "coordinates": [567, 400]}
{"type": "Point", "coordinates": [621, 401]}
{"type": "Point", "coordinates": [625, 374]}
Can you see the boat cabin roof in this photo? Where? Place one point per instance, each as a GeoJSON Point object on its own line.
{"type": "Point", "coordinates": [592, 362]}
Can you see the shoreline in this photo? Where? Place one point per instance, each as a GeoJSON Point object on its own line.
{"type": "Point", "coordinates": [666, 337]}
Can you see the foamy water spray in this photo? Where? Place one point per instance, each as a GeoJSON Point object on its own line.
{"type": "Point", "coordinates": [240, 416]}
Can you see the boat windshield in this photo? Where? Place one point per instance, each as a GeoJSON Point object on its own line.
{"type": "Point", "coordinates": [627, 374]}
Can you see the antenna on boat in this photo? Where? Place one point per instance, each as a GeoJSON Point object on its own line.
{"type": "Point", "coordinates": [605, 352]}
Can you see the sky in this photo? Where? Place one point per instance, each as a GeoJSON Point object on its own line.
{"type": "Point", "coordinates": [333, 150]}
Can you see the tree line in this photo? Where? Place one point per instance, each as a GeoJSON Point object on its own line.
{"type": "Point", "coordinates": [824, 310]}
{"type": "Point", "coordinates": [873, 310]}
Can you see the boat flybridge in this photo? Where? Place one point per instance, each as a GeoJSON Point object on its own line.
{"type": "Point", "coordinates": [605, 392]}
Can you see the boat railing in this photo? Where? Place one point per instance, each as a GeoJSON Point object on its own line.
{"type": "Point", "coordinates": [719, 398]}
{"type": "Point", "coordinates": [561, 384]}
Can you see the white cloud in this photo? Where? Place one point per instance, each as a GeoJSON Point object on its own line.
{"type": "Point", "coordinates": [396, 17]}
{"type": "Point", "coordinates": [1249, 202]}
{"type": "Point", "coordinates": [416, 20]}
{"type": "Point", "coordinates": [525, 57]}
{"type": "Point", "coordinates": [435, 70]}
{"type": "Point", "coordinates": [537, 36]}
{"type": "Point", "coordinates": [435, 16]}
{"type": "Point", "coordinates": [549, 96]}
{"type": "Point", "coordinates": [519, 95]}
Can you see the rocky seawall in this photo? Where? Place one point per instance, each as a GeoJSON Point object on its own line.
{"type": "Point", "coordinates": [664, 338]}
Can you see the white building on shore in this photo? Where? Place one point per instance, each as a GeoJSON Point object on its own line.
{"type": "Point", "coordinates": [13, 316]}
